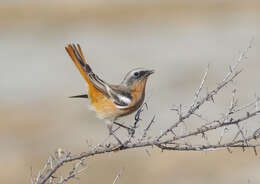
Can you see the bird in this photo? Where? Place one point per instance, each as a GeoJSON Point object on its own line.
{"type": "Point", "coordinates": [109, 101]}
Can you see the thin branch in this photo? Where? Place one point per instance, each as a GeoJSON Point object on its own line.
{"type": "Point", "coordinates": [117, 176]}
{"type": "Point", "coordinates": [197, 93]}
{"type": "Point", "coordinates": [147, 128]}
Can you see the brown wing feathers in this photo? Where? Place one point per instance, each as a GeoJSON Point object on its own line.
{"type": "Point", "coordinates": [87, 67]}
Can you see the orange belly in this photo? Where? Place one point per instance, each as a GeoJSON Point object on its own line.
{"type": "Point", "coordinates": [103, 106]}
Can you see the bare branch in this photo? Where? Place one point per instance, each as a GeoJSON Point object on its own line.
{"type": "Point", "coordinates": [233, 123]}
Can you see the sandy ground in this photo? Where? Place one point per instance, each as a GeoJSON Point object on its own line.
{"type": "Point", "coordinates": [177, 39]}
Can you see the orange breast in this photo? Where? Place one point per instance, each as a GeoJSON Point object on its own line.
{"type": "Point", "coordinates": [138, 91]}
{"type": "Point", "coordinates": [137, 98]}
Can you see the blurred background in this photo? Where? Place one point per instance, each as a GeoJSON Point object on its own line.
{"type": "Point", "coordinates": [177, 38]}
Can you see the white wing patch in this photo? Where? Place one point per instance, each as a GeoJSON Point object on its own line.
{"type": "Point", "coordinates": [118, 98]}
{"type": "Point", "coordinates": [125, 100]}
{"type": "Point", "coordinates": [121, 107]}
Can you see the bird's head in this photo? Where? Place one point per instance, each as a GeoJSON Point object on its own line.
{"type": "Point", "coordinates": [136, 77]}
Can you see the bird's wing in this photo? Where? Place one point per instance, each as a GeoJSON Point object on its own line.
{"type": "Point", "coordinates": [120, 97]}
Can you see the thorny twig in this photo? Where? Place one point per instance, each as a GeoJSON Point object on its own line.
{"type": "Point", "coordinates": [232, 74]}
{"type": "Point", "coordinates": [147, 128]}
{"type": "Point", "coordinates": [174, 141]}
{"type": "Point", "coordinates": [117, 176]}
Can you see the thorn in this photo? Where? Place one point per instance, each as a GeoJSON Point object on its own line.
{"type": "Point", "coordinates": [147, 152]}
{"type": "Point", "coordinates": [229, 150]}
{"type": "Point", "coordinates": [255, 151]}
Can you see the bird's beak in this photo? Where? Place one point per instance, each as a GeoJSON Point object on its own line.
{"type": "Point", "coordinates": [149, 72]}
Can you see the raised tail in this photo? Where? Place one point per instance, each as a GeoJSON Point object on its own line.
{"type": "Point", "coordinates": [77, 57]}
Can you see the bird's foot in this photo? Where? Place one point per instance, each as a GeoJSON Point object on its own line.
{"type": "Point", "coordinates": [130, 130]}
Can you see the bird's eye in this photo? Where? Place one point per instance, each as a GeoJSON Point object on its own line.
{"type": "Point", "coordinates": [136, 74]}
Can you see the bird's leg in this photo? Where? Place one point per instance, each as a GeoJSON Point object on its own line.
{"type": "Point", "coordinates": [111, 132]}
{"type": "Point", "coordinates": [131, 131]}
